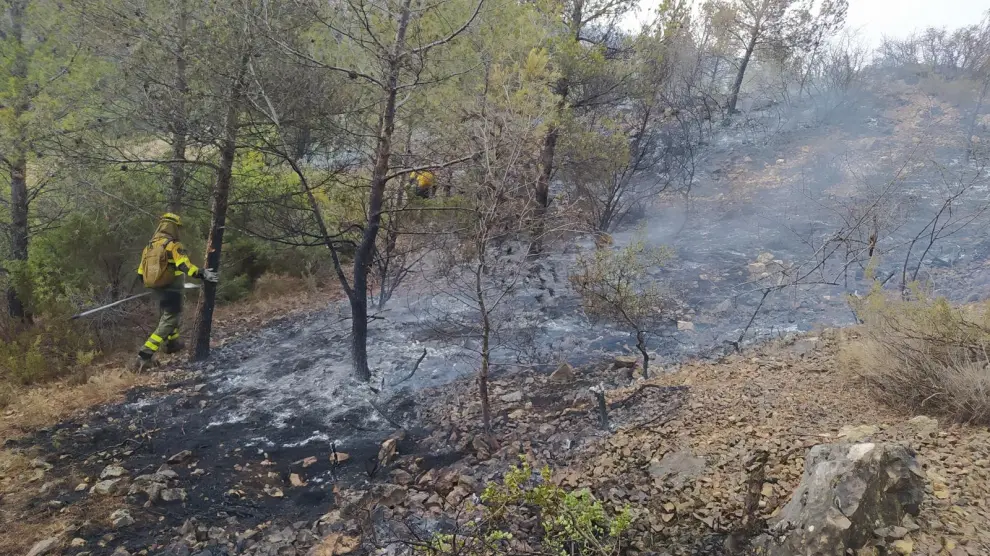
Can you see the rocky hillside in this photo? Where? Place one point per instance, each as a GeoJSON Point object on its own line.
{"type": "Point", "coordinates": [681, 451]}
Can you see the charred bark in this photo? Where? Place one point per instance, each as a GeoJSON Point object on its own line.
{"type": "Point", "coordinates": [741, 73]}
{"type": "Point", "coordinates": [221, 196]}
{"type": "Point", "coordinates": [641, 346]}
{"type": "Point", "coordinates": [17, 164]}
{"type": "Point", "coordinates": [18, 234]}
{"type": "Point", "coordinates": [548, 153]}
{"type": "Point", "coordinates": [486, 332]}
{"type": "Point", "coordinates": [364, 254]}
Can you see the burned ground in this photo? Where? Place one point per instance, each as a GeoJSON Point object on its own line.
{"type": "Point", "coordinates": [274, 397]}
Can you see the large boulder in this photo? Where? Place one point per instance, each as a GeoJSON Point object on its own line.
{"type": "Point", "coordinates": [848, 492]}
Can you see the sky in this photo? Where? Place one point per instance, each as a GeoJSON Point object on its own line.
{"type": "Point", "coordinates": [898, 18]}
{"type": "Point", "coordinates": [893, 18]}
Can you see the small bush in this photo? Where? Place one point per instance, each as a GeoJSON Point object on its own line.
{"type": "Point", "coordinates": [44, 352]}
{"type": "Point", "coordinates": [572, 522]}
{"type": "Point", "coordinates": [923, 355]}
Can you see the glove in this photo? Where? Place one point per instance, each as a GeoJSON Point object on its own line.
{"type": "Point", "coordinates": [209, 275]}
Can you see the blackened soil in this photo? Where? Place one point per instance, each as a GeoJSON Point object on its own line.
{"type": "Point", "coordinates": [238, 475]}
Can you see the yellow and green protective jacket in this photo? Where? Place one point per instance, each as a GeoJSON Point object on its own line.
{"type": "Point", "coordinates": [178, 261]}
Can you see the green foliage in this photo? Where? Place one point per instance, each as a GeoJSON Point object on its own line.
{"type": "Point", "coordinates": [619, 285]}
{"type": "Point", "coordinates": [45, 352]}
{"type": "Point", "coordinates": [572, 522]}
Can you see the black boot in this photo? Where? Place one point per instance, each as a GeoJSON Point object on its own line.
{"type": "Point", "coordinates": [174, 346]}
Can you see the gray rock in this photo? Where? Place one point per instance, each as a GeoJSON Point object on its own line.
{"type": "Point", "coordinates": [188, 527]}
{"type": "Point", "coordinates": [564, 373]}
{"type": "Point", "coordinates": [121, 551]}
{"type": "Point", "coordinates": [152, 490]}
{"type": "Point", "coordinates": [112, 472]}
{"type": "Point", "coordinates": [106, 488]}
{"type": "Point", "coordinates": [39, 463]}
{"type": "Point", "coordinates": [847, 494]}
{"type": "Point", "coordinates": [624, 362]}
{"type": "Point", "coordinates": [121, 518]}
{"type": "Point", "coordinates": [512, 397]}
{"type": "Point", "coordinates": [165, 473]}
{"type": "Point", "coordinates": [305, 538]}
{"type": "Point", "coordinates": [43, 547]}
{"type": "Point", "coordinates": [173, 495]}
{"type": "Point", "coordinates": [402, 477]}
{"type": "Point", "coordinates": [677, 467]}
{"type": "Point", "coordinates": [48, 487]}
{"type": "Point", "coordinates": [178, 548]}
{"type": "Point", "coordinates": [180, 457]}
{"type": "Point", "coordinates": [858, 433]}
{"type": "Point", "coordinates": [924, 426]}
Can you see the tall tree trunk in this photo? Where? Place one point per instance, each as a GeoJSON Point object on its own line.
{"type": "Point", "coordinates": [971, 128]}
{"type": "Point", "coordinates": [17, 161]}
{"type": "Point", "coordinates": [365, 252]}
{"type": "Point", "coordinates": [750, 47]}
{"type": "Point", "coordinates": [641, 346]}
{"type": "Point", "coordinates": [18, 233]}
{"type": "Point", "coordinates": [548, 153]}
{"type": "Point", "coordinates": [221, 195]}
{"type": "Point", "coordinates": [486, 332]}
{"type": "Point", "coordinates": [180, 126]}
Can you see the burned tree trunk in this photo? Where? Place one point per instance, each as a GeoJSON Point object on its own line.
{"type": "Point", "coordinates": [486, 333]}
{"type": "Point", "coordinates": [364, 255]}
{"type": "Point", "coordinates": [741, 73]}
{"type": "Point", "coordinates": [641, 346]}
{"type": "Point", "coordinates": [221, 195]}
{"type": "Point", "coordinates": [17, 164]}
{"type": "Point", "coordinates": [18, 233]}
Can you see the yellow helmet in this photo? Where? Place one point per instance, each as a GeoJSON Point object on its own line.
{"type": "Point", "coordinates": [171, 217]}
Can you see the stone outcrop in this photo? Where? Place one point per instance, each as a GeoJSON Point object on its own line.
{"type": "Point", "coordinates": [847, 494]}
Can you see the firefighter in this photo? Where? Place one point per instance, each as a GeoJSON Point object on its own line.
{"type": "Point", "coordinates": [163, 267]}
{"type": "Point", "coordinates": [422, 183]}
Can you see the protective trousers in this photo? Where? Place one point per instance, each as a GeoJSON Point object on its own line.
{"type": "Point", "coordinates": [170, 308]}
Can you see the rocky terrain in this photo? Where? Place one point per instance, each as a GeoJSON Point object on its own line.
{"type": "Point", "coordinates": [680, 450]}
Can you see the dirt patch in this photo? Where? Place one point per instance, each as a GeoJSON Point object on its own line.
{"type": "Point", "coordinates": [681, 454]}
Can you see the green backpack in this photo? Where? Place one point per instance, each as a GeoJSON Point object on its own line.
{"type": "Point", "coordinates": [154, 264]}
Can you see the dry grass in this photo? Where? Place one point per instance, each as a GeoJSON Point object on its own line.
{"type": "Point", "coordinates": [25, 523]}
{"type": "Point", "coordinates": [27, 408]}
{"type": "Point", "coordinates": [923, 355]}
{"type": "Point", "coordinates": [273, 297]}
{"type": "Point", "coordinates": [41, 406]}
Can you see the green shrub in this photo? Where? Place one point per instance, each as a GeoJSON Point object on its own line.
{"type": "Point", "coordinates": [234, 288]}
{"type": "Point", "coordinates": [44, 352]}
{"type": "Point", "coordinates": [572, 522]}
